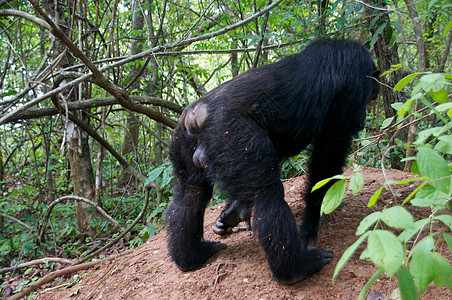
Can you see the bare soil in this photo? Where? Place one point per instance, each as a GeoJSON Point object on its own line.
{"type": "Point", "coordinates": [241, 271]}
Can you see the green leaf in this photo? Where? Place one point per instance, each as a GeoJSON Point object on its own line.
{"type": "Point", "coordinates": [432, 82]}
{"type": "Point", "coordinates": [428, 196]}
{"type": "Point", "coordinates": [28, 271]}
{"type": "Point", "coordinates": [432, 165]}
{"type": "Point", "coordinates": [426, 133]}
{"type": "Point", "coordinates": [150, 229]}
{"type": "Point", "coordinates": [167, 175]}
{"type": "Point", "coordinates": [405, 80]}
{"type": "Point", "coordinates": [408, 180]}
{"type": "Point", "coordinates": [356, 183]}
{"type": "Point", "coordinates": [449, 113]}
{"type": "Point", "coordinates": [333, 197]}
{"type": "Point", "coordinates": [30, 218]}
{"type": "Point", "coordinates": [254, 39]}
{"type": "Point", "coordinates": [374, 197]}
{"type": "Point", "coordinates": [445, 144]}
{"type": "Point", "coordinates": [393, 69]}
{"type": "Point", "coordinates": [439, 96]}
{"type": "Point", "coordinates": [422, 265]}
{"type": "Point", "coordinates": [348, 253]}
{"type": "Point", "coordinates": [376, 34]}
{"type": "Point", "coordinates": [414, 168]}
{"type": "Point", "coordinates": [385, 251]}
{"type": "Point", "coordinates": [448, 238]}
{"type": "Point", "coordinates": [387, 122]}
{"type": "Point", "coordinates": [443, 270]}
{"type": "Point", "coordinates": [408, 233]}
{"type": "Point", "coordinates": [446, 219]}
{"type": "Point", "coordinates": [154, 174]}
{"type": "Point", "coordinates": [367, 222]}
{"type": "Point", "coordinates": [447, 29]}
{"type": "Point", "coordinates": [397, 217]}
{"type": "Point", "coordinates": [27, 247]}
{"type": "Point", "coordinates": [323, 182]}
{"type": "Point", "coordinates": [444, 107]}
{"type": "Point", "coordinates": [397, 105]}
{"type": "Point", "coordinates": [407, 288]}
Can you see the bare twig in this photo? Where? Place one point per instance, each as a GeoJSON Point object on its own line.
{"type": "Point", "coordinates": [45, 218]}
{"type": "Point", "coordinates": [259, 45]}
{"type": "Point", "coordinates": [63, 272]}
{"type": "Point", "coordinates": [24, 15]}
{"type": "Point", "coordinates": [16, 220]}
{"type": "Point", "coordinates": [92, 103]}
{"type": "Point", "coordinates": [37, 262]}
{"type": "Point", "coordinates": [131, 226]}
{"type": "Point", "coordinates": [383, 169]}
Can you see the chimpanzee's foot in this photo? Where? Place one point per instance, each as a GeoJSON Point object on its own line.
{"type": "Point", "coordinates": [316, 259]}
{"type": "Point", "coordinates": [232, 214]}
{"type": "Point", "coordinates": [197, 257]}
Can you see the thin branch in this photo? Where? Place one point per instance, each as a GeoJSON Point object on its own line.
{"type": "Point", "coordinates": [259, 45]}
{"type": "Point", "coordinates": [164, 48]}
{"type": "Point", "coordinates": [375, 7]}
{"type": "Point", "coordinates": [63, 272]}
{"type": "Point", "coordinates": [93, 103]}
{"type": "Point", "coordinates": [37, 262]}
{"type": "Point", "coordinates": [46, 216]}
{"type": "Point", "coordinates": [17, 221]}
{"type": "Point", "coordinates": [24, 15]}
{"type": "Point", "coordinates": [6, 118]}
{"type": "Point", "coordinates": [417, 29]}
{"type": "Point", "coordinates": [131, 226]}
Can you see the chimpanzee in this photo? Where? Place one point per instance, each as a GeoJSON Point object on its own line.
{"type": "Point", "coordinates": [236, 136]}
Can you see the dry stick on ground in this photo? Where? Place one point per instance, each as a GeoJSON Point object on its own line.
{"type": "Point", "coordinates": [37, 262]}
{"type": "Point", "coordinates": [63, 272]}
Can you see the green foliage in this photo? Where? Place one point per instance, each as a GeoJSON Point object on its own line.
{"type": "Point", "coordinates": [421, 265]}
{"type": "Point", "coordinates": [162, 175]}
{"type": "Point", "coordinates": [295, 165]}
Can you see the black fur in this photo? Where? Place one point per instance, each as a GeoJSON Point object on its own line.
{"type": "Point", "coordinates": [236, 136]}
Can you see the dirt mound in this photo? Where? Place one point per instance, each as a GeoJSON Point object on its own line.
{"type": "Point", "coordinates": [241, 271]}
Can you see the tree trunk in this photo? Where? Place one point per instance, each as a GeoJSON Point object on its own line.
{"type": "Point", "coordinates": [387, 57]}
{"type": "Point", "coordinates": [82, 176]}
{"type": "Point", "coordinates": [421, 64]}
{"type": "Point", "coordinates": [412, 12]}
{"type": "Point", "coordinates": [129, 145]}
{"type": "Point", "coordinates": [77, 140]}
{"type": "Point", "coordinates": [130, 141]}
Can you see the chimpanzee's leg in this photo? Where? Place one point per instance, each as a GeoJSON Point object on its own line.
{"type": "Point", "coordinates": [185, 217]}
{"type": "Point", "coordinates": [254, 180]}
{"type": "Point", "coordinates": [277, 231]}
{"type": "Point", "coordinates": [233, 214]}
{"type": "Point", "coordinates": [327, 159]}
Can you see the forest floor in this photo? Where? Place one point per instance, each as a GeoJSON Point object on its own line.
{"type": "Point", "coordinates": [241, 270]}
